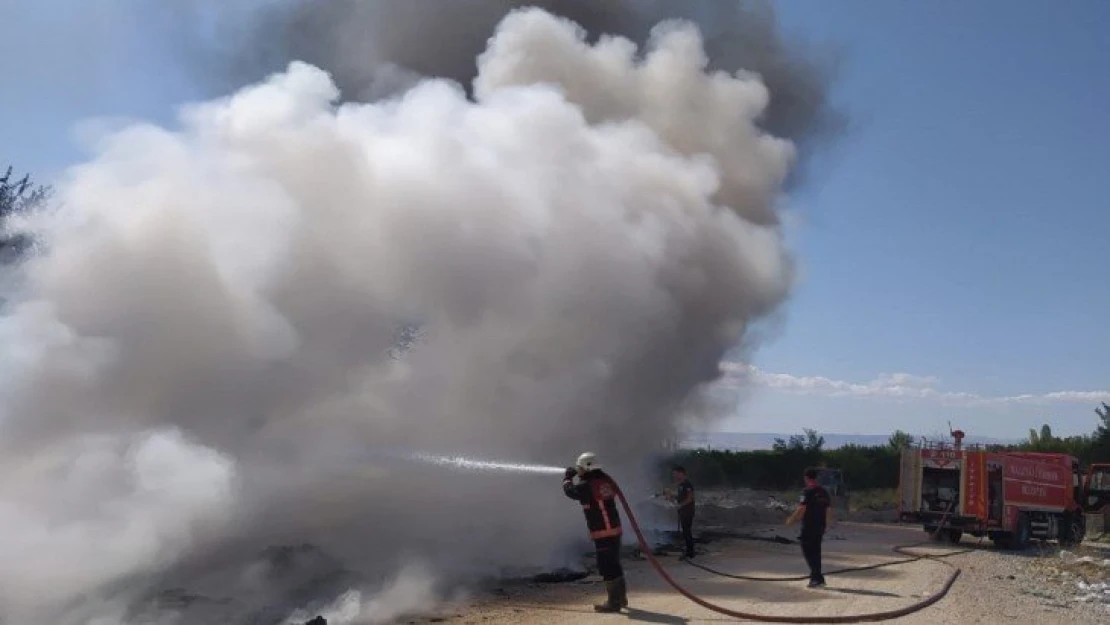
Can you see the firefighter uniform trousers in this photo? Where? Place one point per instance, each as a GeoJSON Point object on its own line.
{"type": "Point", "coordinates": [609, 558]}
{"type": "Point", "coordinates": [811, 551]}
{"type": "Point", "coordinates": [686, 522]}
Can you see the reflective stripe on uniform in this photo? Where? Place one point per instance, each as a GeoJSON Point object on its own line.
{"type": "Point", "coordinates": [604, 513]}
{"type": "Point", "coordinates": [606, 533]}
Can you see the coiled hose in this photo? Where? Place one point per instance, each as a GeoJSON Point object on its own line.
{"type": "Point", "coordinates": [777, 618]}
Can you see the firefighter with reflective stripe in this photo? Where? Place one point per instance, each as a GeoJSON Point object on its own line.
{"type": "Point", "coordinates": [597, 494]}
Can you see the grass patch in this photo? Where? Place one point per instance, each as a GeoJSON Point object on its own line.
{"type": "Point", "coordinates": [874, 499]}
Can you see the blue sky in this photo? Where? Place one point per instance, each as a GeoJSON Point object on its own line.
{"type": "Point", "coordinates": [952, 246]}
{"type": "Point", "coordinates": [955, 234]}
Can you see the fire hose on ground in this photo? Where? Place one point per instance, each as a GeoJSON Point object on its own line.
{"type": "Point", "coordinates": [772, 618]}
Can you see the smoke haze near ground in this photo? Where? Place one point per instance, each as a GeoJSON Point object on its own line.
{"type": "Point", "coordinates": [201, 360]}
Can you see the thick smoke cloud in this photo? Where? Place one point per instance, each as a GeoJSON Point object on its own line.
{"type": "Point", "coordinates": [201, 363]}
{"type": "Point", "coordinates": [372, 48]}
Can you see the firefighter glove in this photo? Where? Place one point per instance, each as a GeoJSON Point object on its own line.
{"type": "Point", "coordinates": [571, 472]}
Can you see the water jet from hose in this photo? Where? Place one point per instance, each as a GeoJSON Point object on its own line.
{"type": "Point", "coordinates": [471, 464]}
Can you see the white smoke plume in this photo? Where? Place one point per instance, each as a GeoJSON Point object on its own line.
{"type": "Point", "coordinates": [373, 48]}
{"type": "Point", "coordinates": [409, 593]}
{"type": "Point", "coordinates": [199, 365]}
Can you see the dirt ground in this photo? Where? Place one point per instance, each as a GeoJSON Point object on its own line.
{"type": "Point", "coordinates": [994, 586]}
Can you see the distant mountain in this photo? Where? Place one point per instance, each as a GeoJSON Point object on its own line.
{"type": "Point", "coordinates": [742, 441]}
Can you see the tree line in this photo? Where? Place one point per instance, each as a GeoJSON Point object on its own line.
{"type": "Point", "coordinates": [865, 466]}
{"type": "Point", "coordinates": [1093, 447]}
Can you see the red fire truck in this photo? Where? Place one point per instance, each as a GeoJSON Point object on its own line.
{"type": "Point", "coordinates": [1010, 497]}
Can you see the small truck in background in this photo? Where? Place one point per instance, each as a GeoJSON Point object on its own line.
{"type": "Point", "coordinates": [1010, 497]}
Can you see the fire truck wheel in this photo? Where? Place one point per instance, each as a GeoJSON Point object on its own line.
{"type": "Point", "coordinates": [1022, 533]}
{"type": "Point", "coordinates": [1016, 540]}
{"type": "Point", "coordinates": [1074, 530]}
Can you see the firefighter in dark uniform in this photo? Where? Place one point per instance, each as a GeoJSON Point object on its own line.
{"type": "Point", "coordinates": [814, 512]}
{"type": "Point", "coordinates": [684, 500]}
{"type": "Point", "coordinates": [597, 493]}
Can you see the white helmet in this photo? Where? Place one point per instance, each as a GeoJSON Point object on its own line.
{"type": "Point", "coordinates": [587, 462]}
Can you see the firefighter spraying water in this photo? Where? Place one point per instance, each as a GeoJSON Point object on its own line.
{"type": "Point", "coordinates": [597, 493]}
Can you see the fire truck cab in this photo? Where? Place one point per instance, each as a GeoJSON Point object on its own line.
{"type": "Point", "coordinates": [1010, 497]}
{"type": "Point", "coordinates": [1096, 487]}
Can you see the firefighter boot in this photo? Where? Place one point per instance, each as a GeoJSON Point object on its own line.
{"type": "Point", "coordinates": [622, 593]}
{"type": "Point", "coordinates": [612, 602]}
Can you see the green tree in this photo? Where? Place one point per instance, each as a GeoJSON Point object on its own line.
{"type": "Point", "coordinates": [900, 440]}
{"type": "Point", "coordinates": [813, 441]}
{"type": "Point", "coordinates": [796, 442]}
{"type": "Point", "coordinates": [1100, 444]}
{"type": "Point", "coordinates": [17, 194]}
{"type": "Point", "coordinates": [1083, 447]}
{"type": "Point", "coordinates": [1042, 440]}
{"type": "Point", "coordinates": [808, 441]}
